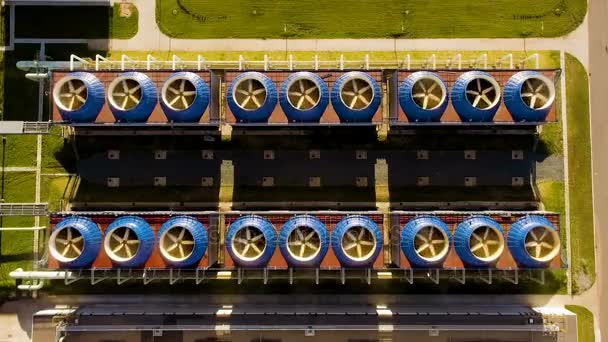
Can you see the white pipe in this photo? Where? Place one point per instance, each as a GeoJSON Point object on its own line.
{"type": "Point", "coordinates": [34, 287]}
{"type": "Point", "coordinates": [98, 59]}
{"type": "Point", "coordinates": [22, 228]}
{"type": "Point", "coordinates": [21, 274]}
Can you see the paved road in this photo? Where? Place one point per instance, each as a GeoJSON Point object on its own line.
{"type": "Point", "coordinates": [150, 38]}
{"type": "Point", "coordinates": [598, 68]}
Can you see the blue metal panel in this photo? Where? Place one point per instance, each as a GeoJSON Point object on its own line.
{"type": "Point", "coordinates": [412, 110]}
{"type": "Point", "coordinates": [516, 240]}
{"type": "Point", "coordinates": [199, 235]}
{"type": "Point", "coordinates": [268, 232]}
{"type": "Point", "coordinates": [260, 114]}
{"type": "Point", "coordinates": [197, 108]}
{"type": "Point", "coordinates": [91, 235]}
{"type": "Point", "coordinates": [304, 115]}
{"type": "Point", "coordinates": [519, 110]}
{"type": "Point", "coordinates": [347, 114]}
{"type": "Point", "coordinates": [94, 102]}
{"type": "Point", "coordinates": [149, 98]}
{"type": "Point", "coordinates": [462, 240]}
{"type": "Point", "coordinates": [144, 234]}
{"type": "Point", "coordinates": [463, 107]}
{"type": "Point", "coordinates": [307, 221]}
{"type": "Point", "coordinates": [408, 240]}
{"type": "Point", "coordinates": [343, 227]}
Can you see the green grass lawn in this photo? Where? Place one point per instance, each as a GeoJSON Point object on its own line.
{"type": "Point", "coordinates": [368, 18]}
{"type": "Point", "coordinates": [20, 150]}
{"type": "Point", "coordinates": [586, 332]}
{"type": "Point", "coordinates": [551, 137]}
{"type": "Point", "coordinates": [16, 247]}
{"type": "Point", "coordinates": [123, 27]}
{"type": "Point", "coordinates": [90, 22]}
{"type": "Point", "coordinates": [579, 166]}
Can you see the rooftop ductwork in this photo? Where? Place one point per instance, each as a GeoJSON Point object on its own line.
{"type": "Point", "coordinates": [184, 97]}
{"type": "Point", "coordinates": [304, 241]}
{"type": "Point", "coordinates": [476, 96]}
{"type": "Point", "coordinates": [423, 96]}
{"type": "Point", "coordinates": [426, 241]}
{"type": "Point", "coordinates": [132, 97]}
{"type": "Point", "coordinates": [79, 96]}
{"type": "Point", "coordinates": [75, 242]}
{"type": "Point", "coordinates": [182, 241]}
{"type": "Point", "coordinates": [251, 241]}
{"type": "Point", "coordinates": [356, 241]}
{"type": "Point", "coordinates": [129, 241]}
{"type": "Point", "coordinates": [304, 97]}
{"type": "Point", "coordinates": [252, 97]}
{"type": "Point", "coordinates": [479, 241]}
{"type": "Point", "coordinates": [529, 96]}
{"type": "Point", "coordinates": [356, 97]}
{"type": "Point", "coordinates": [534, 241]}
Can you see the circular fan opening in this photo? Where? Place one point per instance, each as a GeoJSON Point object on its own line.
{"type": "Point", "coordinates": [303, 94]}
{"type": "Point", "coordinates": [179, 93]}
{"type": "Point", "coordinates": [249, 94]}
{"type": "Point", "coordinates": [249, 243]}
{"type": "Point", "coordinates": [177, 243]}
{"type": "Point", "coordinates": [483, 92]}
{"type": "Point", "coordinates": [122, 244]}
{"type": "Point", "coordinates": [70, 94]}
{"type": "Point", "coordinates": [125, 93]}
{"type": "Point", "coordinates": [357, 93]}
{"type": "Point", "coordinates": [429, 93]}
{"type": "Point", "coordinates": [303, 243]}
{"type": "Point", "coordinates": [542, 243]}
{"type": "Point", "coordinates": [537, 92]}
{"type": "Point", "coordinates": [431, 243]}
{"type": "Point", "coordinates": [359, 243]}
{"type": "Point", "coordinates": [66, 244]}
{"type": "Point", "coordinates": [486, 243]}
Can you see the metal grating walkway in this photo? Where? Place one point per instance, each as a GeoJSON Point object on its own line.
{"type": "Point", "coordinates": [23, 209]}
{"type": "Point", "coordinates": [24, 127]}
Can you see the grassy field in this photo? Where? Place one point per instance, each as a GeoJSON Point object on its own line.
{"type": "Point", "coordinates": [124, 27]}
{"type": "Point", "coordinates": [91, 22]}
{"type": "Point", "coordinates": [579, 165]}
{"type": "Point", "coordinates": [16, 247]}
{"type": "Point", "coordinates": [584, 317]}
{"type": "Point", "coordinates": [368, 18]}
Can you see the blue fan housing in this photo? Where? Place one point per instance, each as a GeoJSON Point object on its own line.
{"type": "Point", "coordinates": [149, 98]}
{"type": "Point", "coordinates": [199, 235]}
{"type": "Point", "coordinates": [343, 227]}
{"type": "Point", "coordinates": [260, 114]}
{"type": "Point", "coordinates": [197, 108]}
{"type": "Point", "coordinates": [408, 240]}
{"type": "Point", "coordinates": [309, 222]}
{"type": "Point", "coordinates": [347, 114]}
{"type": "Point", "coordinates": [91, 234]}
{"type": "Point", "coordinates": [267, 230]}
{"type": "Point", "coordinates": [463, 107]}
{"type": "Point", "coordinates": [304, 115]}
{"type": "Point", "coordinates": [144, 234]}
{"type": "Point", "coordinates": [94, 101]}
{"type": "Point", "coordinates": [413, 111]}
{"type": "Point", "coordinates": [462, 239]}
{"type": "Point", "coordinates": [516, 240]}
{"type": "Point", "coordinates": [519, 110]}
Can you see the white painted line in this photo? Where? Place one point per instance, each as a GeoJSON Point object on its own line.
{"type": "Point", "coordinates": [562, 61]}
{"type": "Point", "coordinates": [18, 169]}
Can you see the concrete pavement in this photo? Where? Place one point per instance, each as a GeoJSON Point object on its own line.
{"type": "Point", "coordinates": [598, 71]}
